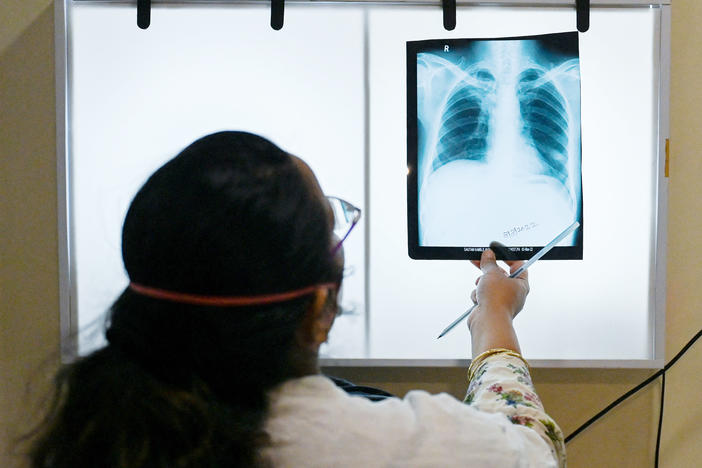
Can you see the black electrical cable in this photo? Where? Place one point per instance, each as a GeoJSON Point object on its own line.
{"type": "Point", "coordinates": [635, 389]}
{"type": "Point", "coordinates": [612, 405]}
{"type": "Point", "coordinates": [660, 419]}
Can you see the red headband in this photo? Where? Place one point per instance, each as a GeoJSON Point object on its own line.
{"type": "Point", "coordinates": [226, 301]}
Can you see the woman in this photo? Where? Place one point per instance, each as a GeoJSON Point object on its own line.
{"type": "Point", "coordinates": [212, 348]}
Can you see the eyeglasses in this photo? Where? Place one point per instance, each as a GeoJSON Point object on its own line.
{"type": "Point", "coordinates": [346, 216]}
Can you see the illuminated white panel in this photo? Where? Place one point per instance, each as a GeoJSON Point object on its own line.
{"type": "Point", "coordinates": [137, 97]}
{"type": "Point", "coordinates": [576, 309]}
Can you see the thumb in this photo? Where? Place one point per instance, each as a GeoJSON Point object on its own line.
{"type": "Point", "coordinates": [488, 262]}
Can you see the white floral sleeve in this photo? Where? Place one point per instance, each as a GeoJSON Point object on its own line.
{"type": "Point", "coordinates": [500, 382]}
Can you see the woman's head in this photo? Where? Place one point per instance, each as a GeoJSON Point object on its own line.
{"type": "Point", "coordinates": [231, 215]}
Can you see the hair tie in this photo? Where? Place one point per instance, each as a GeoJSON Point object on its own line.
{"type": "Point", "coordinates": [225, 301]}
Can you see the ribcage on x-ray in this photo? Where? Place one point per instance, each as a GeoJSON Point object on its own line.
{"type": "Point", "coordinates": [464, 122]}
{"type": "Point", "coordinates": [543, 112]}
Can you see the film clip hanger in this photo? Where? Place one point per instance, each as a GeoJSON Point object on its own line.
{"type": "Point", "coordinates": [449, 7]}
{"type": "Point", "coordinates": [277, 14]}
{"type": "Point", "coordinates": [582, 10]}
{"type": "Point", "coordinates": [143, 13]}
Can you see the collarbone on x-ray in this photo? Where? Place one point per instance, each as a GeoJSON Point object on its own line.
{"type": "Point", "coordinates": [498, 143]}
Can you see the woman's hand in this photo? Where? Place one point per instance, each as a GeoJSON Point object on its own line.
{"type": "Point", "coordinates": [496, 291]}
{"type": "Point", "coordinates": [499, 299]}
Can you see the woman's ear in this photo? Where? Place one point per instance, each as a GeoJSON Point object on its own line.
{"type": "Point", "coordinates": [314, 329]}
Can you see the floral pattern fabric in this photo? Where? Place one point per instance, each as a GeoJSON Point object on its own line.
{"type": "Point", "coordinates": [501, 383]}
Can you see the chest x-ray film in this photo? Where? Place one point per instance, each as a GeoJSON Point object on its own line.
{"type": "Point", "coordinates": [493, 146]}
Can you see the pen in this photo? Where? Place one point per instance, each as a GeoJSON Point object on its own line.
{"type": "Point", "coordinates": [519, 270]}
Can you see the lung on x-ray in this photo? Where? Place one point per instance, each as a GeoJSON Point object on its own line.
{"type": "Point", "coordinates": [493, 146]}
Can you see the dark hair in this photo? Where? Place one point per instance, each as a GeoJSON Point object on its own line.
{"type": "Point", "coordinates": [181, 385]}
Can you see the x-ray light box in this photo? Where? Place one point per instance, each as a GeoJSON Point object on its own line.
{"type": "Point", "coordinates": [332, 88]}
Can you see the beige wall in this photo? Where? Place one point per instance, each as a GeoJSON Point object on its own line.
{"type": "Point", "coordinates": [29, 274]}
{"type": "Point", "coordinates": [28, 245]}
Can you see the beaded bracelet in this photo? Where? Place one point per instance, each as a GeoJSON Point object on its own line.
{"type": "Point", "coordinates": [475, 363]}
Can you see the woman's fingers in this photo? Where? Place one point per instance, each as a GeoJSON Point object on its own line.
{"type": "Point", "coordinates": [488, 262]}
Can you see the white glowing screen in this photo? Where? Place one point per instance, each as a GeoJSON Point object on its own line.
{"type": "Point", "coordinates": [331, 88]}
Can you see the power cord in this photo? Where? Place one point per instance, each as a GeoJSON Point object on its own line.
{"type": "Point", "coordinates": [659, 373]}
{"type": "Point", "coordinates": [660, 419]}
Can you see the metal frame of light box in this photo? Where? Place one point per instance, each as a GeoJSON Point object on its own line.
{"type": "Point", "coordinates": [657, 294]}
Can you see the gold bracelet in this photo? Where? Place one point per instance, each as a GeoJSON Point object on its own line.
{"type": "Point", "coordinates": [475, 363]}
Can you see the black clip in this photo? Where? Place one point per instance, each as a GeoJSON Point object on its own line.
{"type": "Point", "coordinates": [277, 13]}
{"type": "Point", "coordinates": [449, 7]}
{"type": "Point", "coordinates": [582, 10]}
{"type": "Point", "coordinates": [143, 13]}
